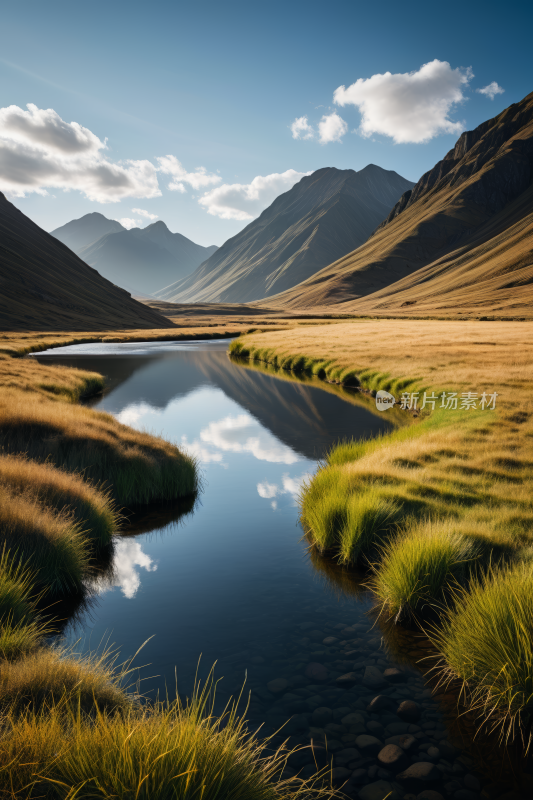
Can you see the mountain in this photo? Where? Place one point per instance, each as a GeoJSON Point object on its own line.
{"type": "Point", "coordinates": [44, 286]}
{"type": "Point", "coordinates": [323, 217]}
{"type": "Point", "coordinates": [79, 233]}
{"type": "Point", "coordinates": [460, 241]}
{"type": "Point", "coordinates": [141, 260]}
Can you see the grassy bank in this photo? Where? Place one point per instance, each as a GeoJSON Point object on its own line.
{"type": "Point", "coordinates": [434, 506]}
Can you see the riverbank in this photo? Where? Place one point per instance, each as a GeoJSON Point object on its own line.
{"type": "Point", "coordinates": [434, 505]}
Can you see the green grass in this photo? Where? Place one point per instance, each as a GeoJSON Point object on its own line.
{"type": "Point", "coordinates": [176, 751]}
{"type": "Point", "coordinates": [487, 643]}
{"type": "Point", "coordinates": [19, 639]}
{"type": "Point", "coordinates": [17, 601]}
{"type": "Point", "coordinates": [420, 567]}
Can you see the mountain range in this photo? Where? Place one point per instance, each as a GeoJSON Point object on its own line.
{"type": "Point", "coordinates": [44, 286]}
{"type": "Point", "coordinates": [141, 260]}
{"type": "Point", "coordinates": [461, 241]}
{"type": "Point", "coordinates": [324, 216]}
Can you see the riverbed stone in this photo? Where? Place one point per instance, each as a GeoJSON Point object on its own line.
{"type": "Point", "coordinates": [296, 724]}
{"type": "Point", "coordinates": [471, 782]}
{"type": "Point", "coordinates": [348, 679]}
{"type": "Point", "coordinates": [392, 757]}
{"type": "Point", "coordinates": [373, 678]}
{"type": "Point", "coordinates": [278, 685]}
{"type": "Point", "coordinates": [429, 794]}
{"type": "Point", "coordinates": [344, 757]}
{"type": "Point", "coordinates": [316, 672]}
{"type": "Point", "coordinates": [379, 703]}
{"type": "Point", "coordinates": [353, 719]}
{"type": "Point", "coordinates": [321, 716]}
{"type": "Point", "coordinates": [340, 775]}
{"type": "Point", "coordinates": [329, 640]}
{"type": "Point", "coordinates": [395, 675]}
{"type": "Point", "coordinates": [379, 790]}
{"type": "Point", "coordinates": [419, 774]}
{"type": "Point", "coordinates": [409, 711]}
{"type": "Point", "coordinates": [368, 745]}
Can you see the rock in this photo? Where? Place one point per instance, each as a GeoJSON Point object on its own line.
{"type": "Point", "coordinates": [375, 728]}
{"type": "Point", "coordinates": [348, 679]}
{"type": "Point", "coordinates": [277, 686]}
{"type": "Point", "coordinates": [379, 790]}
{"type": "Point", "coordinates": [379, 703]}
{"type": "Point", "coordinates": [315, 636]}
{"type": "Point", "coordinates": [340, 774]}
{"type": "Point", "coordinates": [316, 672]}
{"type": "Point", "coordinates": [397, 728]}
{"type": "Point", "coordinates": [257, 660]}
{"type": "Point", "coordinates": [433, 753]}
{"type": "Point", "coordinates": [339, 713]}
{"type": "Point", "coordinates": [447, 750]}
{"type": "Point", "coordinates": [394, 675]}
{"type": "Point", "coordinates": [407, 742]}
{"type": "Point", "coordinates": [329, 640]}
{"type": "Point", "coordinates": [321, 716]}
{"type": "Point", "coordinates": [419, 774]}
{"type": "Point", "coordinates": [296, 724]}
{"type": "Point", "coordinates": [334, 729]}
{"type": "Point", "coordinates": [343, 757]}
{"type": "Point", "coordinates": [429, 794]}
{"type": "Point", "coordinates": [353, 719]}
{"type": "Point", "coordinates": [466, 794]}
{"type": "Point", "coordinates": [359, 775]}
{"type": "Point", "coordinates": [471, 782]}
{"type": "Point", "coordinates": [409, 711]}
{"type": "Point", "coordinates": [334, 745]}
{"type": "Point", "coordinates": [393, 757]}
{"type": "Point", "coordinates": [373, 678]}
{"type": "Point", "coordinates": [320, 754]}
{"type": "Point", "coordinates": [368, 745]}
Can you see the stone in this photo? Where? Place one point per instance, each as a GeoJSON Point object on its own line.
{"type": "Point", "coordinates": [394, 728]}
{"type": "Point", "coordinates": [334, 745]}
{"type": "Point", "coordinates": [359, 775]}
{"type": "Point", "coordinates": [420, 773]}
{"type": "Point", "coordinates": [393, 757]}
{"type": "Point", "coordinates": [429, 794]}
{"type": "Point", "coordinates": [277, 686]}
{"type": "Point", "coordinates": [466, 794]}
{"type": "Point", "coordinates": [373, 678]}
{"type": "Point", "coordinates": [353, 719]}
{"type": "Point", "coordinates": [375, 728]}
{"type": "Point", "coordinates": [379, 790]}
{"type": "Point", "coordinates": [409, 711]}
{"type": "Point", "coordinates": [348, 679]}
{"type": "Point", "coordinates": [316, 672]}
{"type": "Point", "coordinates": [368, 745]}
{"type": "Point", "coordinates": [433, 752]}
{"type": "Point", "coordinates": [321, 716]}
{"type": "Point", "coordinates": [257, 660]}
{"type": "Point", "coordinates": [329, 640]}
{"type": "Point", "coordinates": [394, 675]}
{"type": "Point", "coordinates": [379, 703]}
{"type": "Point", "coordinates": [471, 782]}
{"type": "Point", "coordinates": [344, 757]}
{"type": "Point", "coordinates": [296, 724]}
{"type": "Point", "coordinates": [447, 750]}
{"type": "Point", "coordinates": [340, 775]}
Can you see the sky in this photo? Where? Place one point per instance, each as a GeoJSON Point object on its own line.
{"type": "Point", "coordinates": [200, 114]}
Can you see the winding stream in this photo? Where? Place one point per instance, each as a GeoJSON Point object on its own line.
{"type": "Point", "coordinates": [230, 578]}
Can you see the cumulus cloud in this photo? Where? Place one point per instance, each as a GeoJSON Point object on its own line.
{"type": "Point", "coordinates": [290, 486]}
{"type": "Point", "coordinates": [491, 90]}
{"type": "Point", "coordinates": [124, 575]}
{"type": "Point", "coordinates": [410, 106]}
{"type": "Point", "coordinates": [301, 129]}
{"type": "Point", "coordinates": [198, 179]}
{"type": "Point", "coordinates": [128, 222]}
{"type": "Point", "coordinates": [267, 490]}
{"type": "Point", "coordinates": [243, 434]}
{"type": "Point", "coordinates": [197, 449]}
{"type": "Point", "coordinates": [244, 201]}
{"type": "Point", "coordinates": [40, 151]}
{"type": "Point", "coordinates": [331, 128]}
{"type": "Point", "coordinates": [142, 213]}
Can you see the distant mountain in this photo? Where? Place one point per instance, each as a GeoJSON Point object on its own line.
{"type": "Point", "coordinates": [44, 286]}
{"type": "Point", "coordinates": [323, 217]}
{"type": "Point", "coordinates": [79, 233]}
{"type": "Point", "coordinates": [460, 242]}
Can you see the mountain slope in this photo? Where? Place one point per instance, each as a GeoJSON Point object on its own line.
{"type": "Point", "coordinates": [81, 232]}
{"type": "Point", "coordinates": [141, 260]}
{"type": "Point", "coordinates": [325, 215]}
{"type": "Point", "coordinates": [45, 286]}
{"type": "Point", "coordinates": [461, 240]}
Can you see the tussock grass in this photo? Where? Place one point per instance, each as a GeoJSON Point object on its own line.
{"type": "Point", "coordinates": [48, 543]}
{"type": "Point", "coordinates": [420, 567]}
{"type": "Point", "coordinates": [178, 750]}
{"type": "Point", "coordinates": [487, 643]}
{"type": "Point", "coordinates": [135, 466]}
{"type": "Point", "coordinates": [19, 639]}
{"type": "Point", "coordinates": [17, 600]}
{"type": "Point", "coordinates": [91, 507]}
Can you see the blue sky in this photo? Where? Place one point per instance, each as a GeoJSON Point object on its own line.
{"type": "Point", "coordinates": [218, 85]}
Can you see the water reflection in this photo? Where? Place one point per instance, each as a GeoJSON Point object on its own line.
{"type": "Point", "coordinates": [128, 558]}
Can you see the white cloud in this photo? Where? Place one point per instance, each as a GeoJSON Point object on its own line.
{"type": "Point", "coordinates": [331, 128]}
{"type": "Point", "coordinates": [129, 223]}
{"type": "Point", "coordinates": [198, 179]}
{"type": "Point", "coordinates": [142, 213]}
{"type": "Point", "coordinates": [290, 486]}
{"type": "Point", "coordinates": [410, 106]}
{"type": "Point", "coordinates": [301, 129]}
{"type": "Point", "coordinates": [244, 201]}
{"type": "Point", "coordinates": [130, 415]}
{"type": "Point", "coordinates": [267, 490]}
{"type": "Point", "coordinates": [127, 556]}
{"type": "Point", "coordinates": [196, 448]}
{"type": "Point", "coordinates": [491, 90]}
{"type": "Point", "coordinates": [40, 151]}
{"type": "Point", "coordinates": [243, 434]}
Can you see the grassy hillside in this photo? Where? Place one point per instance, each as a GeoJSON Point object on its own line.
{"type": "Point", "coordinates": [45, 286]}
{"type": "Point", "coordinates": [459, 242]}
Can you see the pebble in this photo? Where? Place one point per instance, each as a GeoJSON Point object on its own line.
{"type": "Point", "coordinates": [316, 672]}
{"type": "Point", "coordinates": [394, 675]}
{"type": "Point", "coordinates": [409, 711]}
{"type": "Point", "coordinates": [392, 757]}
{"type": "Point", "coordinates": [348, 679]}
{"type": "Point", "coordinates": [377, 791]}
{"type": "Point", "coordinates": [419, 773]}
{"type": "Point", "coordinates": [373, 678]}
{"type": "Point", "coordinates": [321, 716]}
{"type": "Point", "coordinates": [429, 794]}
{"type": "Point", "coordinates": [380, 702]}
{"type": "Point", "coordinates": [329, 640]}
{"type": "Point", "coordinates": [369, 745]}
{"type": "Point", "coordinates": [277, 686]}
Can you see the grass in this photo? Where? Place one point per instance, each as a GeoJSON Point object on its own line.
{"type": "Point", "coordinates": [163, 751]}
{"type": "Point", "coordinates": [419, 569]}
{"type": "Point", "coordinates": [92, 507]}
{"type": "Point", "coordinates": [468, 471]}
{"type": "Point", "coordinates": [487, 643]}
